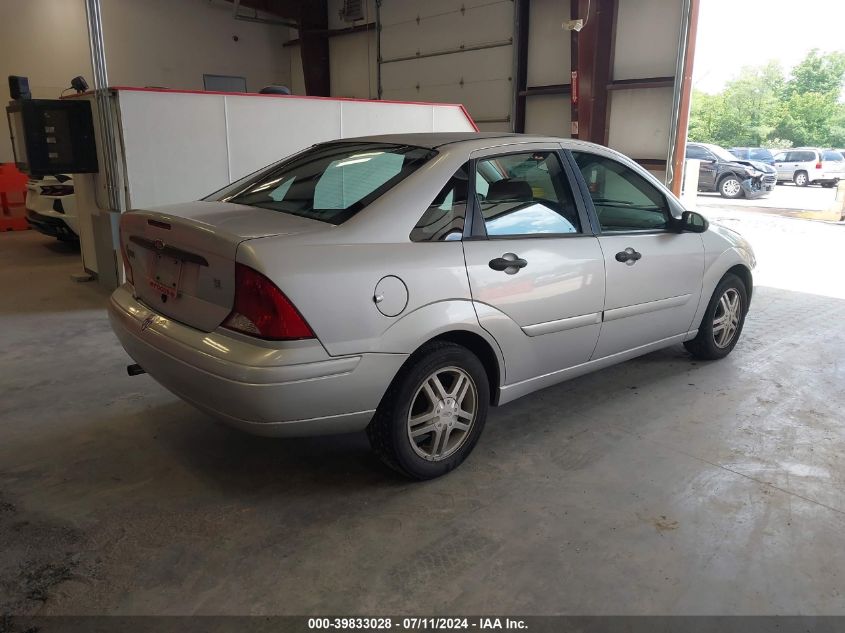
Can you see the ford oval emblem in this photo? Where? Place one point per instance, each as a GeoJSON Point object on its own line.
{"type": "Point", "coordinates": [159, 244]}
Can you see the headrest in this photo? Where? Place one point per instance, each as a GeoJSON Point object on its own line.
{"type": "Point", "coordinates": [508, 189]}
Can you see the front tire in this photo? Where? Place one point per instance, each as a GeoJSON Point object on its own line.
{"type": "Point", "coordinates": [800, 179]}
{"type": "Point", "coordinates": [722, 322]}
{"type": "Point", "coordinates": [433, 413]}
{"type": "Point", "coordinates": [730, 187]}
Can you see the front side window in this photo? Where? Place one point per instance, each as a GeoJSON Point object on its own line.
{"type": "Point", "coordinates": [525, 194]}
{"type": "Point", "coordinates": [834, 156]}
{"type": "Point", "coordinates": [781, 157]}
{"type": "Point", "coordinates": [330, 182]}
{"type": "Point", "coordinates": [623, 199]}
{"type": "Point", "coordinates": [444, 218]}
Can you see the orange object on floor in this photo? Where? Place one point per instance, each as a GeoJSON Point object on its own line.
{"type": "Point", "coordinates": [12, 198]}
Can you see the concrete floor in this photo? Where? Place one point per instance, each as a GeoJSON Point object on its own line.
{"type": "Point", "coordinates": [660, 486]}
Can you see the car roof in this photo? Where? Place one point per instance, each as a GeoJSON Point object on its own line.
{"type": "Point", "coordinates": [432, 140]}
{"type": "Point", "coordinates": [470, 140]}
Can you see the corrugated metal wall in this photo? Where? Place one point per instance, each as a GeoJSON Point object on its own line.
{"type": "Point", "coordinates": [462, 51]}
{"type": "Point", "coordinates": [443, 50]}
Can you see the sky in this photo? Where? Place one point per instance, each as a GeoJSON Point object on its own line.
{"type": "Point", "coordinates": [736, 33]}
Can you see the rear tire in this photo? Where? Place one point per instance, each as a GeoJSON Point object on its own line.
{"type": "Point", "coordinates": [433, 413]}
{"type": "Point", "coordinates": [800, 179]}
{"type": "Point", "coordinates": [722, 323]}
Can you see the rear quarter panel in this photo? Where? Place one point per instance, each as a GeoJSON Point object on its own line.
{"type": "Point", "coordinates": [333, 287]}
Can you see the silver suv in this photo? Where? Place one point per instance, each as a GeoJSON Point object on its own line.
{"type": "Point", "coordinates": [809, 165]}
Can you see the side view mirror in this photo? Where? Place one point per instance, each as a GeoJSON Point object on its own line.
{"type": "Point", "coordinates": [692, 222]}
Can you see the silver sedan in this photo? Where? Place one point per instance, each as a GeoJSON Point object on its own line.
{"type": "Point", "coordinates": [404, 284]}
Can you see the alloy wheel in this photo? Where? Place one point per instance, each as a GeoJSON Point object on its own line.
{"type": "Point", "coordinates": [442, 413]}
{"type": "Point", "coordinates": [731, 187]}
{"type": "Point", "coordinates": [726, 319]}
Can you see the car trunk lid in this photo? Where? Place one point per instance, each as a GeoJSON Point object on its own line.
{"type": "Point", "coordinates": [183, 256]}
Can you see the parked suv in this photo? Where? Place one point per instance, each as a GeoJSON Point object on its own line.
{"type": "Point", "coordinates": [810, 165]}
{"type": "Point", "coordinates": [732, 177]}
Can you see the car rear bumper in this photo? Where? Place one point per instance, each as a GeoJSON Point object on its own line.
{"type": "Point", "coordinates": [831, 176]}
{"type": "Point", "coordinates": [49, 225]}
{"type": "Point", "coordinates": [299, 391]}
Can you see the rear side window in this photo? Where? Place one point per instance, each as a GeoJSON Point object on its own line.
{"type": "Point", "coordinates": [444, 218]}
{"type": "Point", "coordinates": [834, 156]}
{"type": "Point", "coordinates": [330, 182]}
{"type": "Point", "coordinates": [525, 194]}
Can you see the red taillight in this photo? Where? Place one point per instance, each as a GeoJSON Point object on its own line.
{"type": "Point", "coordinates": [262, 310]}
{"type": "Point", "coordinates": [56, 190]}
{"type": "Point", "coordinates": [126, 265]}
{"type": "Point", "coordinates": [818, 165]}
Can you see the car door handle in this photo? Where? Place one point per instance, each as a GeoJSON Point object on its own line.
{"type": "Point", "coordinates": [628, 256]}
{"type": "Point", "coordinates": [508, 263]}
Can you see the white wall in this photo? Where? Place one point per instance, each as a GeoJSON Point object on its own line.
{"type": "Point", "coordinates": [548, 43]}
{"type": "Point", "coordinates": [549, 62]}
{"type": "Point", "coordinates": [640, 120]}
{"type": "Point", "coordinates": [646, 38]}
{"type": "Point", "coordinates": [168, 43]}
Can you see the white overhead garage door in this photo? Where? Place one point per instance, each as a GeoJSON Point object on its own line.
{"type": "Point", "coordinates": [452, 51]}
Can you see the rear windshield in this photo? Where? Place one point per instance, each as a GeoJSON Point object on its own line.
{"type": "Point", "coordinates": [329, 182]}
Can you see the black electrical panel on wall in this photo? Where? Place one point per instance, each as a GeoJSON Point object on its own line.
{"type": "Point", "coordinates": [53, 136]}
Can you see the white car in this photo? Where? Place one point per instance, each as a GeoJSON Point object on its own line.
{"type": "Point", "coordinates": [810, 166]}
{"type": "Point", "coordinates": [51, 206]}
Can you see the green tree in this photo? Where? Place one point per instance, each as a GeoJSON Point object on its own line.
{"type": "Point", "coordinates": [742, 114]}
{"type": "Point", "coordinates": [818, 73]}
{"type": "Point", "coordinates": [762, 107]}
{"type": "Point", "coordinates": [808, 119]}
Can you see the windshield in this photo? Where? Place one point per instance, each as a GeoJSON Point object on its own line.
{"type": "Point", "coordinates": [329, 182]}
{"type": "Point", "coordinates": [721, 153]}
